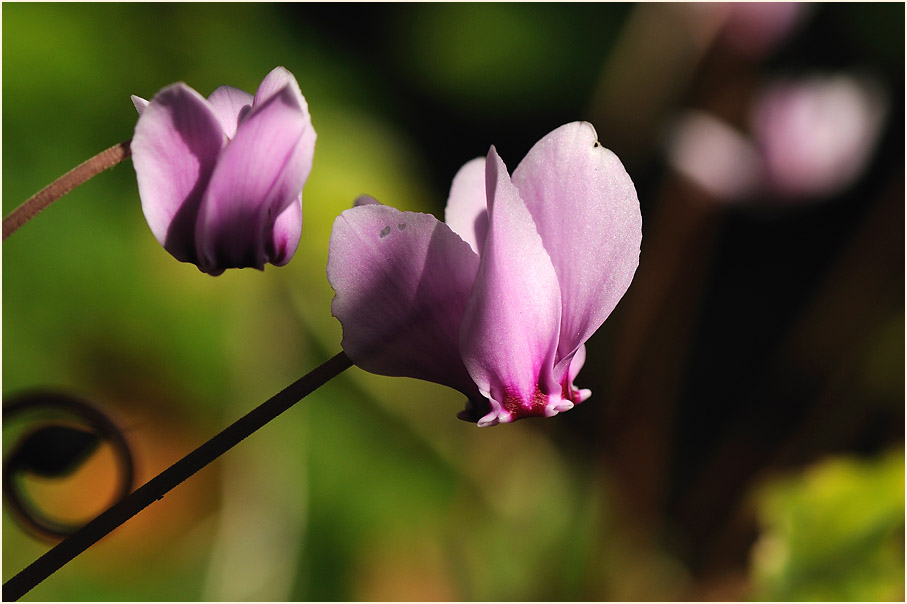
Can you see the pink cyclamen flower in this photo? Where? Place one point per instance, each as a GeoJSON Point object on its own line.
{"type": "Point", "coordinates": [498, 301]}
{"type": "Point", "coordinates": [221, 178]}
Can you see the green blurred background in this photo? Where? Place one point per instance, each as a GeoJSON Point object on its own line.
{"type": "Point", "coordinates": [745, 435]}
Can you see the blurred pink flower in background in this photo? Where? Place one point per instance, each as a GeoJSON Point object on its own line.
{"type": "Point", "coordinates": [810, 138]}
{"type": "Point", "coordinates": [718, 158]}
{"type": "Point", "coordinates": [756, 29]}
{"type": "Point", "coordinates": [817, 134]}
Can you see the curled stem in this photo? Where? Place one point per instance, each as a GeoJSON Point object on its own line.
{"type": "Point", "coordinates": [161, 484]}
{"type": "Point", "coordinates": [63, 185]}
{"type": "Point", "coordinates": [90, 418]}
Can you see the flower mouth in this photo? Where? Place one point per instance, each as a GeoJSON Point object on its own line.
{"type": "Point", "coordinates": [487, 412]}
{"type": "Point", "coordinates": [518, 409]}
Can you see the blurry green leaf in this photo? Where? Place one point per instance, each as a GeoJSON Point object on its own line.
{"type": "Point", "coordinates": [834, 533]}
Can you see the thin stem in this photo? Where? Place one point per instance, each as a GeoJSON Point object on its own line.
{"type": "Point", "coordinates": [63, 185]}
{"type": "Point", "coordinates": [157, 487]}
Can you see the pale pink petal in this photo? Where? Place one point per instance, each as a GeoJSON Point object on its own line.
{"type": "Point", "coordinates": [285, 235]}
{"type": "Point", "coordinates": [466, 212]}
{"type": "Point", "coordinates": [260, 172]}
{"type": "Point", "coordinates": [509, 334]}
{"type": "Point", "coordinates": [278, 79]}
{"type": "Point", "coordinates": [230, 106]}
{"type": "Point", "coordinates": [587, 213]}
{"type": "Point", "coordinates": [575, 394]}
{"type": "Point", "coordinates": [401, 281]}
{"type": "Point", "coordinates": [174, 150]}
{"type": "Point", "coordinates": [139, 103]}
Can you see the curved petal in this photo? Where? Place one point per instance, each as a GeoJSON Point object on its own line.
{"type": "Point", "coordinates": [510, 328]}
{"type": "Point", "coordinates": [284, 238]}
{"type": "Point", "coordinates": [230, 106]}
{"type": "Point", "coordinates": [259, 173]}
{"type": "Point", "coordinates": [587, 212]}
{"type": "Point", "coordinates": [466, 212]}
{"type": "Point", "coordinates": [365, 200]}
{"type": "Point", "coordinates": [278, 79]}
{"type": "Point", "coordinates": [577, 395]}
{"type": "Point", "coordinates": [139, 103]}
{"type": "Point", "coordinates": [401, 281]}
{"type": "Point", "coordinates": [174, 151]}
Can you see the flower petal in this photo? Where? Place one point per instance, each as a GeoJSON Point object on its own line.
{"type": "Point", "coordinates": [281, 81]}
{"type": "Point", "coordinates": [174, 150]}
{"type": "Point", "coordinates": [259, 173]}
{"type": "Point", "coordinates": [401, 281]}
{"type": "Point", "coordinates": [510, 328]}
{"type": "Point", "coordinates": [587, 212]}
{"type": "Point", "coordinates": [278, 79]}
{"type": "Point", "coordinates": [365, 200]}
{"type": "Point", "coordinates": [230, 106]}
{"type": "Point", "coordinates": [577, 395]}
{"type": "Point", "coordinates": [139, 103]}
{"type": "Point", "coordinates": [284, 238]}
{"type": "Point", "coordinates": [466, 212]}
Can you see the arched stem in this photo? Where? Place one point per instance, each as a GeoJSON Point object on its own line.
{"type": "Point", "coordinates": [63, 185]}
{"type": "Point", "coordinates": [161, 484]}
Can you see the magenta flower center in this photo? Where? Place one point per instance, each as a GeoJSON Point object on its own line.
{"type": "Point", "coordinates": [518, 409]}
